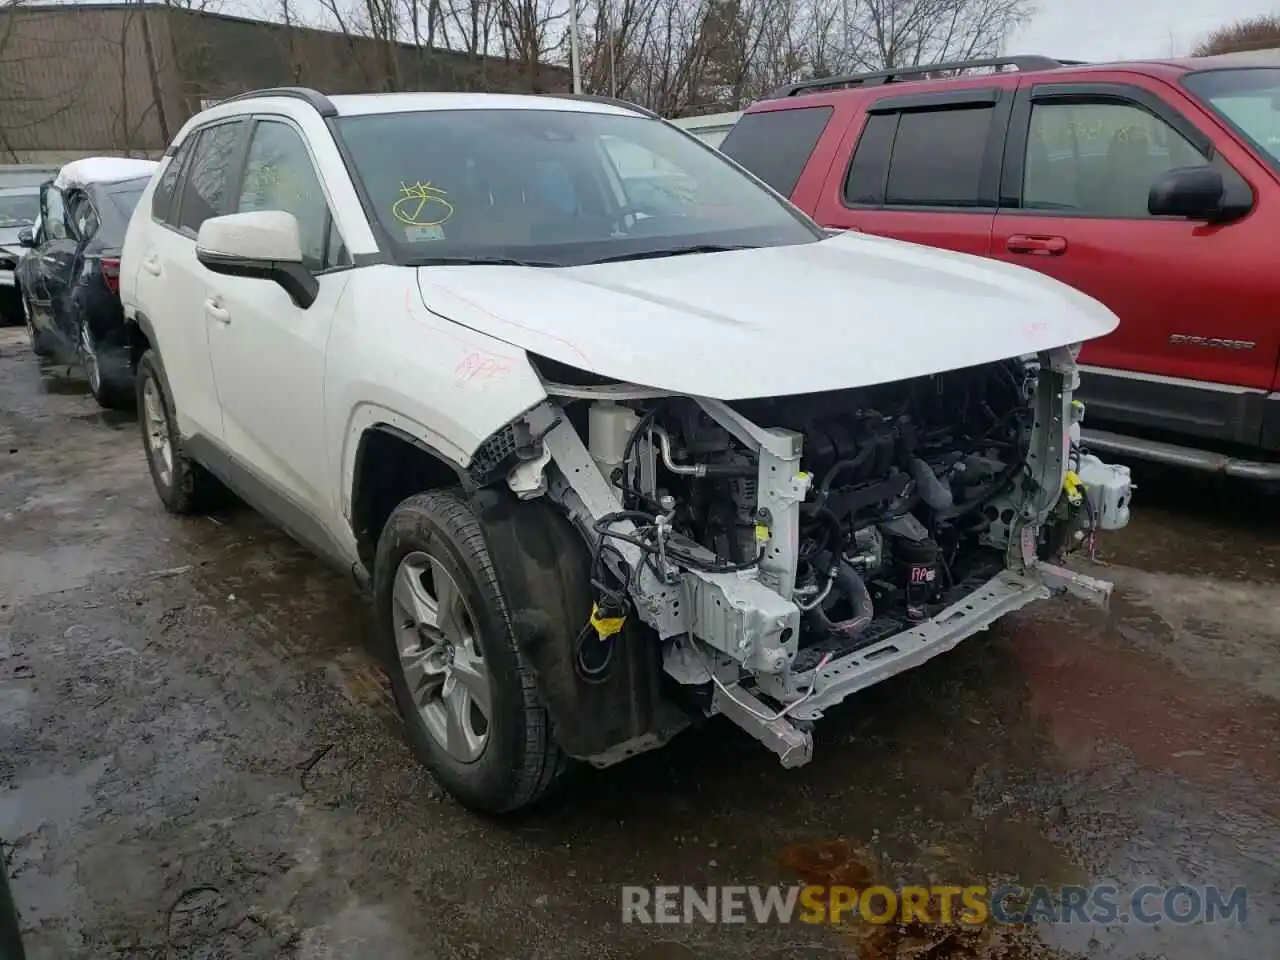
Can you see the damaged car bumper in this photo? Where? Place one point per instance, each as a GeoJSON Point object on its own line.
{"type": "Point", "coordinates": [785, 731]}
{"type": "Point", "coordinates": [782, 555]}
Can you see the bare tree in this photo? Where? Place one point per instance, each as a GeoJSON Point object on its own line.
{"type": "Point", "coordinates": [525, 31]}
{"type": "Point", "coordinates": [132, 113]}
{"type": "Point", "coordinates": [289, 20]}
{"type": "Point", "coordinates": [25, 106]}
{"type": "Point", "coordinates": [879, 34]}
{"type": "Point", "coordinates": [1255, 33]}
{"type": "Point", "coordinates": [701, 56]}
{"type": "Point", "coordinates": [139, 65]}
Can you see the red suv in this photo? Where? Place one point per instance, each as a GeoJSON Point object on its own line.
{"type": "Point", "coordinates": [1153, 186]}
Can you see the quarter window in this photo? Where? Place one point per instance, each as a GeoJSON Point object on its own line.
{"type": "Point", "coordinates": [776, 145]}
{"type": "Point", "coordinates": [1099, 158]}
{"type": "Point", "coordinates": [205, 192]}
{"type": "Point", "coordinates": [279, 175]}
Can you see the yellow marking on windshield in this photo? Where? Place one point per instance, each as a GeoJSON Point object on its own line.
{"type": "Point", "coordinates": [422, 205]}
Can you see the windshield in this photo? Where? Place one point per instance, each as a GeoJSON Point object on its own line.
{"type": "Point", "coordinates": [1248, 99]}
{"type": "Point", "coordinates": [19, 208]}
{"type": "Point", "coordinates": [556, 188]}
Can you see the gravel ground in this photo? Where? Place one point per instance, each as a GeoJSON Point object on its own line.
{"type": "Point", "coordinates": [199, 759]}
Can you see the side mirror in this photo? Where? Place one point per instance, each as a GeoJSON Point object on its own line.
{"type": "Point", "coordinates": [263, 245]}
{"type": "Point", "coordinates": [1195, 193]}
{"type": "Point", "coordinates": [26, 238]}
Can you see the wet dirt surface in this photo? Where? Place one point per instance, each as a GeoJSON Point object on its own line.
{"type": "Point", "coordinates": [198, 756]}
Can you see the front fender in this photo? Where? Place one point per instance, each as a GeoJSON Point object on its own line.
{"type": "Point", "coordinates": [391, 361]}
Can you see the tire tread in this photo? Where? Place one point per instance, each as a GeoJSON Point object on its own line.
{"type": "Point", "coordinates": [194, 489]}
{"type": "Point", "coordinates": [542, 762]}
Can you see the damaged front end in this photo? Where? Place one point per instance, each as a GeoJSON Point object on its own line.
{"type": "Point", "coordinates": [779, 554]}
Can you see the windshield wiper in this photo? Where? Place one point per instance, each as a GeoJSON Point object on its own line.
{"type": "Point", "coordinates": [479, 261]}
{"type": "Point", "coordinates": [676, 252]}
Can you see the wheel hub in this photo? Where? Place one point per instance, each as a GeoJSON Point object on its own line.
{"type": "Point", "coordinates": [90, 358]}
{"type": "Point", "coordinates": [443, 665]}
{"type": "Point", "coordinates": [156, 431]}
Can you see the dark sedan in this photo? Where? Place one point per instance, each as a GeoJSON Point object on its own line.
{"type": "Point", "coordinates": [69, 280]}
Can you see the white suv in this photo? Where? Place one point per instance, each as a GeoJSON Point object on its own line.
{"type": "Point", "coordinates": [617, 437]}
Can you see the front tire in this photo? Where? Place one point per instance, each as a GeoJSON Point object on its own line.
{"type": "Point", "coordinates": [468, 700]}
{"type": "Point", "coordinates": [184, 486]}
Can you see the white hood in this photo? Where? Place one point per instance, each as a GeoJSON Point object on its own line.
{"type": "Point", "coordinates": [849, 311]}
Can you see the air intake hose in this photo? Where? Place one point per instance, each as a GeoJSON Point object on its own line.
{"type": "Point", "coordinates": [932, 490]}
{"type": "Point", "coordinates": [847, 584]}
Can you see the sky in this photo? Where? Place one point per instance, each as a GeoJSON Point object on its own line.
{"type": "Point", "coordinates": [1127, 29]}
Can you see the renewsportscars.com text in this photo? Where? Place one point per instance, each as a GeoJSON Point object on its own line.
{"type": "Point", "coordinates": [1009, 904]}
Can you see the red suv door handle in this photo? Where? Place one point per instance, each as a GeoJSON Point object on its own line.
{"type": "Point", "coordinates": [1037, 246]}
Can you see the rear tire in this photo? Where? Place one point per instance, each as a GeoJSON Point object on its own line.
{"type": "Point", "coordinates": [183, 485]}
{"type": "Point", "coordinates": [10, 938]}
{"type": "Point", "coordinates": [111, 394]}
{"type": "Point", "coordinates": [436, 540]}
{"type": "Point", "coordinates": [41, 345]}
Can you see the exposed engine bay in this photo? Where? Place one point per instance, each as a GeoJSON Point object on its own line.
{"type": "Point", "coordinates": [786, 552]}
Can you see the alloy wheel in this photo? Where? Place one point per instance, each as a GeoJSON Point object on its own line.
{"type": "Point", "coordinates": [26, 318]}
{"type": "Point", "coordinates": [156, 431]}
{"type": "Point", "coordinates": [90, 355]}
{"type": "Point", "coordinates": [443, 665]}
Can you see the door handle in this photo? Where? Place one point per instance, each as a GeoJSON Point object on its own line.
{"type": "Point", "coordinates": [152, 266]}
{"type": "Point", "coordinates": [1036, 246]}
{"type": "Point", "coordinates": [214, 309]}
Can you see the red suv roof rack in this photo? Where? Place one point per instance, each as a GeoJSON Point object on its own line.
{"type": "Point", "coordinates": [921, 72]}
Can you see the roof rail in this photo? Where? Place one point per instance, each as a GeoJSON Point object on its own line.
{"type": "Point", "coordinates": [324, 106]}
{"type": "Point", "coordinates": [611, 101]}
{"type": "Point", "coordinates": [897, 74]}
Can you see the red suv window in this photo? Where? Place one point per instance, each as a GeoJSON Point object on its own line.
{"type": "Point", "coordinates": [929, 158]}
{"type": "Point", "coordinates": [776, 145]}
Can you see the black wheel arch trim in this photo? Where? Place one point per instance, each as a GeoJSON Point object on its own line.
{"type": "Point", "coordinates": [1271, 422]}
{"type": "Point", "coordinates": [467, 483]}
{"type": "Point", "coordinates": [543, 567]}
{"type": "Point", "coordinates": [465, 480]}
{"type": "Point", "coordinates": [143, 323]}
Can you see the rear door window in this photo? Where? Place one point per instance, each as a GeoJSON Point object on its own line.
{"type": "Point", "coordinates": [937, 157]}
{"type": "Point", "coordinates": [921, 158]}
{"type": "Point", "coordinates": [775, 145]}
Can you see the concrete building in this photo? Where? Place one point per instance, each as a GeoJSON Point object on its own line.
{"type": "Point", "coordinates": [711, 128]}
{"type": "Point", "coordinates": [121, 79]}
